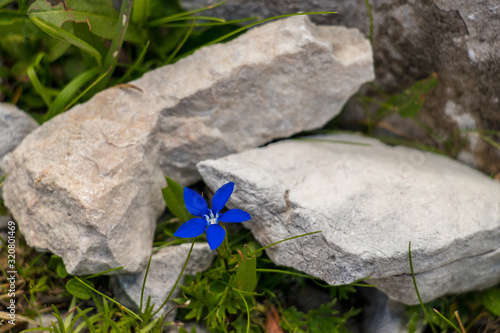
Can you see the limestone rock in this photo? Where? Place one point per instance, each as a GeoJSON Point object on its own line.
{"type": "Point", "coordinates": [277, 80]}
{"type": "Point", "coordinates": [369, 201]}
{"type": "Point", "coordinates": [14, 126]}
{"type": "Point", "coordinates": [457, 39]}
{"type": "Point", "coordinates": [166, 266]}
{"type": "Point", "coordinates": [86, 185]}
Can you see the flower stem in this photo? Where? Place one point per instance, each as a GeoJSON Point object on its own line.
{"type": "Point", "coordinates": [224, 250]}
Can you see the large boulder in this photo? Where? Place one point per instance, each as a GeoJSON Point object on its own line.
{"type": "Point", "coordinates": [87, 184]}
{"type": "Point", "coordinates": [456, 39]}
{"type": "Point", "coordinates": [369, 200]}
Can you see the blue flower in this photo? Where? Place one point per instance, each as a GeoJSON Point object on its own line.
{"type": "Point", "coordinates": [208, 219]}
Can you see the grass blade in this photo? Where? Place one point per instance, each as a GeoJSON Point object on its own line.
{"type": "Point", "coordinates": [116, 45]}
{"type": "Point", "coordinates": [136, 64]}
{"type": "Point", "coordinates": [172, 55]}
{"type": "Point", "coordinates": [4, 2]}
{"type": "Point", "coordinates": [447, 321]}
{"type": "Point", "coordinates": [177, 281]}
{"type": "Point", "coordinates": [109, 299]}
{"type": "Point", "coordinates": [148, 327]}
{"type": "Point", "coordinates": [112, 324]}
{"type": "Point", "coordinates": [144, 282]}
{"type": "Point", "coordinates": [490, 141]}
{"type": "Point", "coordinates": [61, 102]}
{"type": "Point", "coordinates": [40, 89]}
{"type": "Point", "coordinates": [176, 16]}
{"type": "Point", "coordinates": [232, 33]}
{"type": "Point", "coordinates": [60, 33]}
{"type": "Point", "coordinates": [416, 290]}
{"type": "Point", "coordinates": [246, 306]}
{"type": "Point", "coordinates": [86, 90]}
{"type": "Point", "coordinates": [281, 241]}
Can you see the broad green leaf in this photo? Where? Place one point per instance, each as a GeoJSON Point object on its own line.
{"type": "Point", "coordinates": [217, 287]}
{"type": "Point", "coordinates": [100, 16]}
{"type": "Point", "coordinates": [14, 24]}
{"type": "Point", "coordinates": [491, 300]}
{"type": "Point", "coordinates": [78, 289]}
{"type": "Point", "coordinates": [62, 101]}
{"type": "Point", "coordinates": [173, 195]}
{"type": "Point", "coordinates": [60, 33]}
{"type": "Point", "coordinates": [61, 270]}
{"type": "Point", "coordinates": [246, 272]}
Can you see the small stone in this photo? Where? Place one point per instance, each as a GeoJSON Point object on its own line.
{"type": "Point", "coordinates": [165, 268]}
{"type": "Point", "coordinates": [87, 184]}
{"type": "Point", "coordinates": [369, 200]}
{"type": "Point", "coordinates": [15, 125]}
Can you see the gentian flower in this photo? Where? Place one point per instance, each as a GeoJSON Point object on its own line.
{"type": "Point", "coordinates": [208, 219]}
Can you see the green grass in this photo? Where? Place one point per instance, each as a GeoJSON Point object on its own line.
{"type": "Point", "coordinates": [52, 61]}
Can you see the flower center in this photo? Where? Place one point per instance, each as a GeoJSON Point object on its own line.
{"type": "Point", "coordinates": [212, 219]}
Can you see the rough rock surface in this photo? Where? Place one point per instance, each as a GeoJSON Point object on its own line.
{"type": "Point", "coordinates": [166, 266]}
{"type": "Point", "coordinates": [277, 80]}
{"type": "Point", "coordinates": [458, 40]}
{"type": "Point", "coordinates": [15, 125]}
{"type": "Point", "coordinates": [369, 201]}
{"type": "Point", "coordinates": [86, 184]}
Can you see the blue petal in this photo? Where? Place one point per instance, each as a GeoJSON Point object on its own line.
{"type": "Point", "coordinates": [215, 236]}
{"type": "Point", "coordinates": [235, 215]}
{"type": "Point", "coordinates": [191, 228]}
{"type": "Point", "coordinates": [222, 196]}
{"type": "Point", "coordinates": [195, 203]}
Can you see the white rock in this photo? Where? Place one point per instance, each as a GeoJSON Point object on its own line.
{"type": "Point", "coordinates": [369, 202]}
{"type": "Point", "coordinates": [166, 265]}
{"type": "Point", "coordinates": [86, 185]}
{"type": "Point", "coordinates": [277, 80]}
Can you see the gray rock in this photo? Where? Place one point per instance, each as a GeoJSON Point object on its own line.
{"type": "Point", "coordinates": [369, 201]}
{"type": "Point", "coordinates": [166, 266]}
{"type": "Point", "coordinates": [277, 80]}
{"type": "Point", "coordinates": [457, 39]}
{"type": "Point", "coordinates": [15, 125]}
{"type": "Point", "coordinates": [86, 185]}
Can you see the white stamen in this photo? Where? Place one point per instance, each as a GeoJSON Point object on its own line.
{"type": "Point", "coordinates": [212, 219]}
